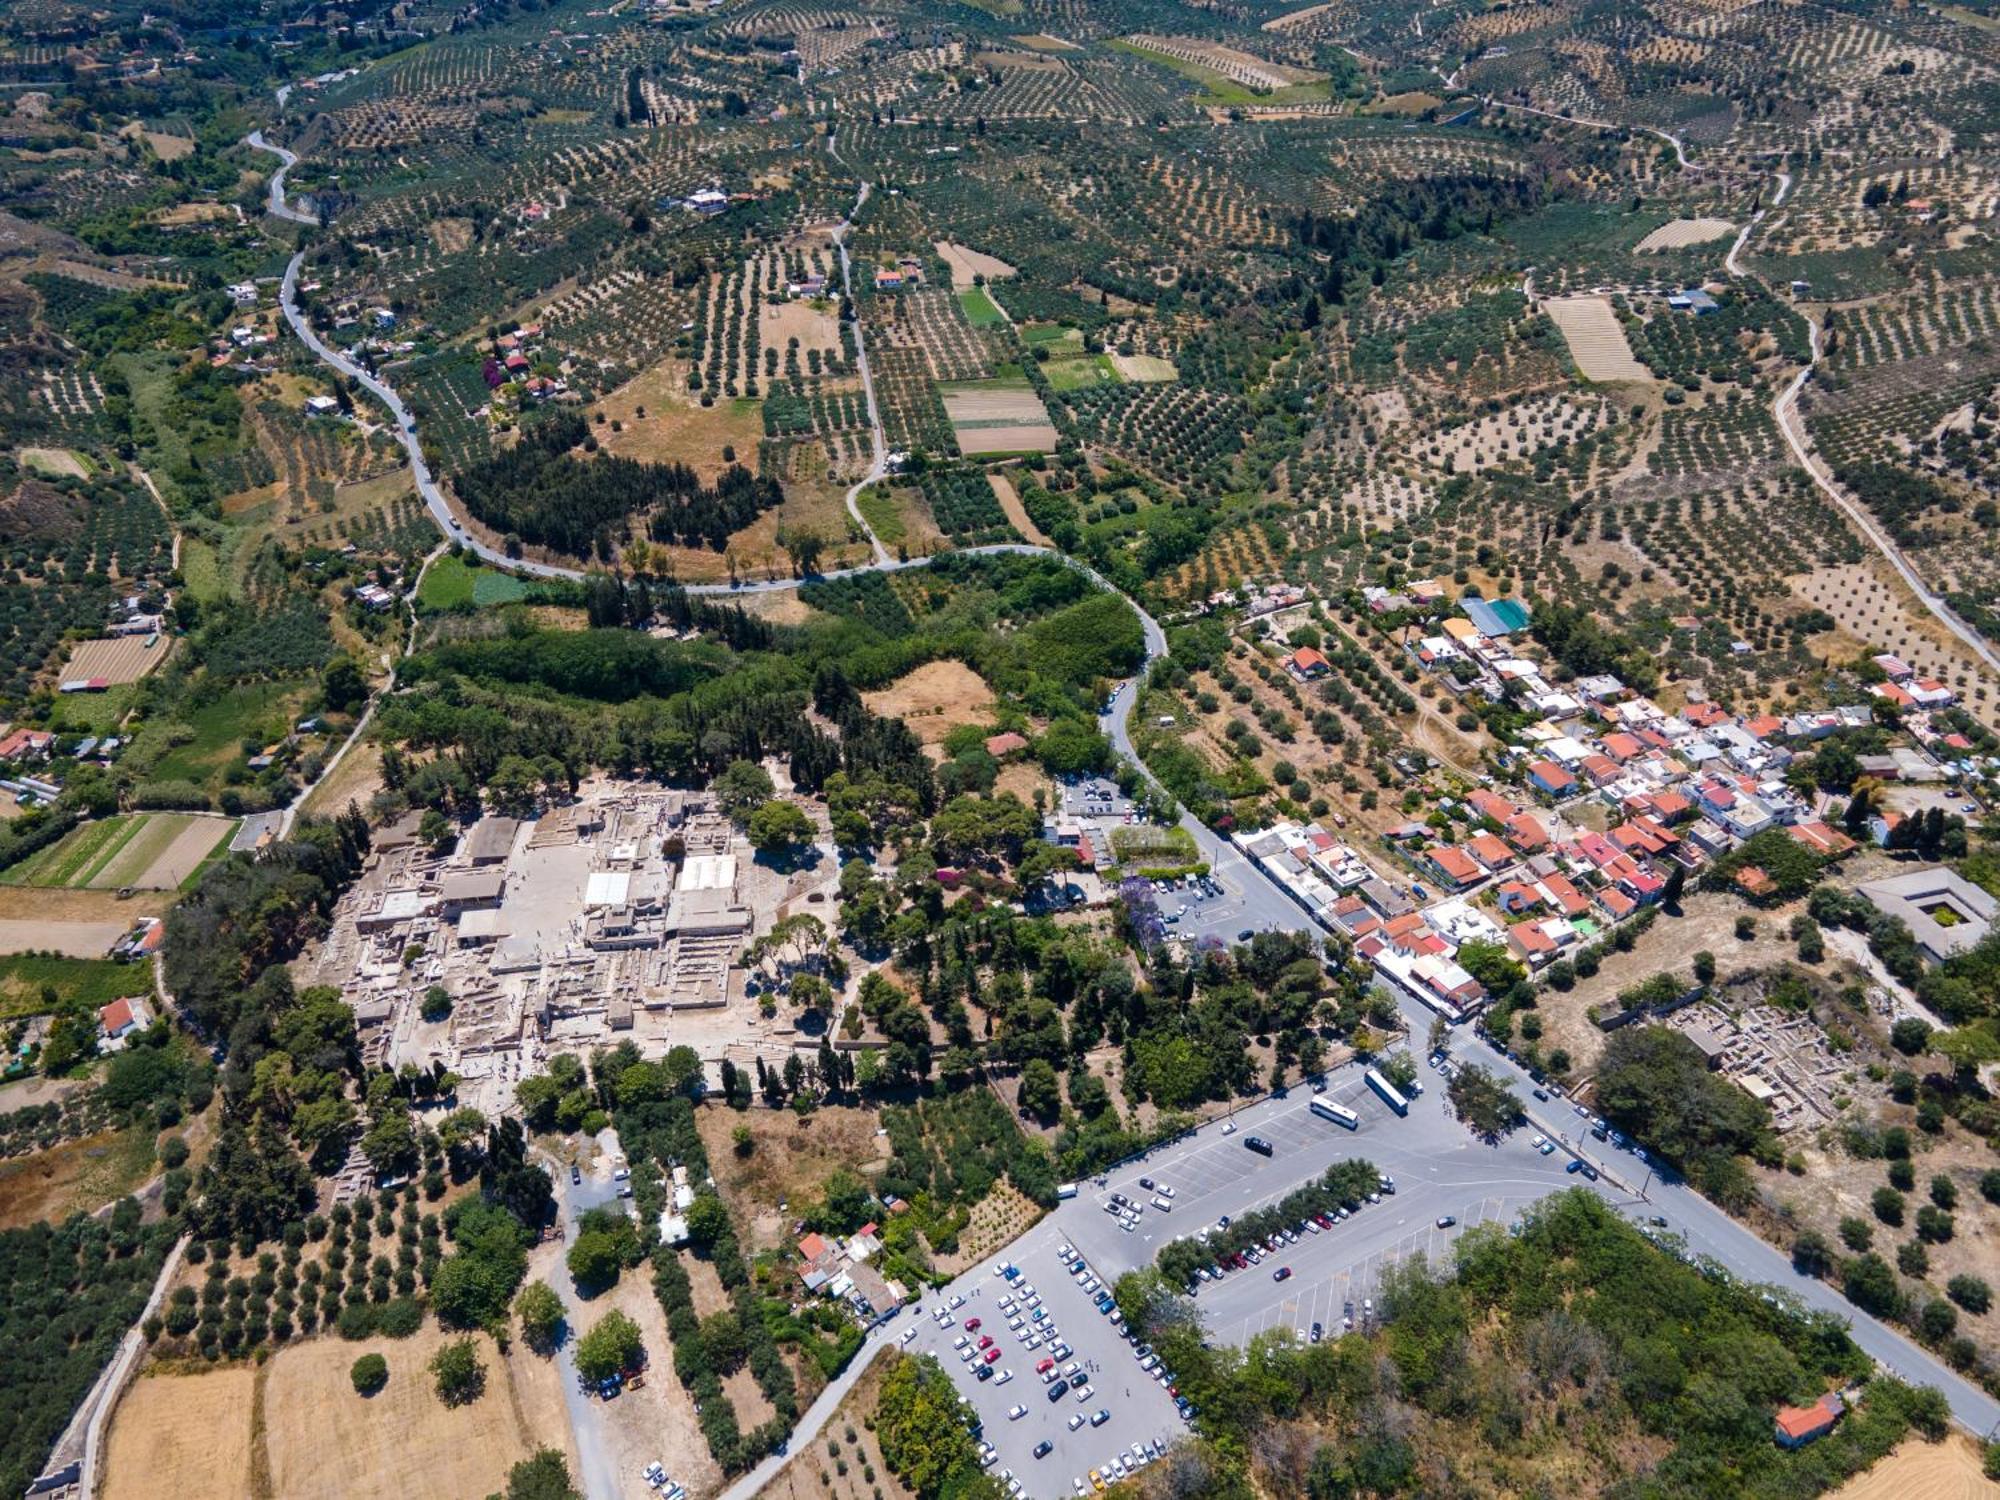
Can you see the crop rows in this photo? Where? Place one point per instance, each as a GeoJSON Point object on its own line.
{"type": "Point", "coordinates": [1182, 435]}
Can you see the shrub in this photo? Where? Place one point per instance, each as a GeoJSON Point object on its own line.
{"type": "Point", "coordinates": [459, 1372]}
{"type": "Point", "coordinates": [370, 1374]}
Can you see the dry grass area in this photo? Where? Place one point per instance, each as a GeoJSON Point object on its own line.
{"type": "Point", "coordinates": [183, 1435]}
{"type": "Point", "coordinates": [658, 1421]}
{"type": "Point", "coordinates": [841, 1460]}
{"type": "Point", "coordinates": [326, 1443]}
{"type": "Point", "coordinates": [676, 427]}
{"type": "Point", "coordinates": [1679, 233]}
{"type": "Point", "coordinates": [1144, 368]}
{"type": "Point", "coordinates": [810, 322]}
{"type": "Point", "coordinates": [966, 263]}
{"type": "Point", "coordinates": [1708, 925]}
{"type": "Point", "coordinates": [356, 779]}
{"type": "Point", "coordinates": [21, 904]}
{"type": "Point", "coordinates": [791, 1157]}
{"type": "Point", "coordinates": [116, 659]}
{"type": "Point", "coordinates": [71, 939]}
{"type": "Point", "coordinates": [1042, 42]}
{"type": "Point", "coordinates": [1596, 340]}
{"type": "Point", "coordinates": [78, 1176]}
{"type": "Point", "coordinates": [1923, 1471]}
{"type": "Point", "coordinates": [935, 699]}
{"type": "Point", "coordinates": [56, 463]}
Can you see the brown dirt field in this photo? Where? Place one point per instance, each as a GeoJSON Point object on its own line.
{"type": "Point", "coordinates": [1670, 944]}
{"type": "Point", "coordinates": [705, 1286]}
{"type": "Point", "coordinates": [752, 1407]}
{"type": "Point", "coordinates": [21, 904]}
{"type": "Point", "coordinates": [657, 1421]}
{"type": "Point", "coordinates": [116, 659]}
{"type": "Point", "coordinates": [935, 699]}
{"type": "Point", "coordinates": [1019, 406]}
{"type": "Point", "coordinates": [1042, 42]}
{"type": "Point", "coordinates": [171, 850]}
{"type": "Point", "coordinates": [966, 263]}
{"type": "Point", "coordinates": [327, 1443]}
{"type": "Point", "coordinates": [793, 1156]}
{"type": "Point", "coordinates": [1876, 609]}
{"type": "Point", "coordinates": [1024, 778]}
{"type": "Point", "coordinates": [814, 1472]}
{"type": "Point", "coordinates": [169, 147]}
{"type": "Point", "coordinates": [1596, 338]}
{"type": "Point", "coordinates": [780, 607]}
{"type": "Point", "coordinates": [72, 939]}
{"type": "Point", "coordinates": [1679, 233]}
{"type": "Point", "coordinates": [1039, 437]}
{"type": "Point", "coordinates": [677, 427]}
{"type": "Point", "coordinates": [1016, 512]}
{"type": "Point", "coordinates": [356, 779]}
{"type": "Point", "coordinates": [77, 1176]}
{"type": "Point", "coordinates": [813, 326]}
{"type": "Point", "coordinates": [183, 1435]}
{"type": "Point", "coordinates": [1923, 1471]}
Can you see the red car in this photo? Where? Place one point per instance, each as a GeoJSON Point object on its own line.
{"type": "Point", "coordinates": [991, 1355]}
{"type": "Point", "coordinates": [1045, 1366]}
{"type": "Point", "coordinates": [972, 1325]}
{"type": "Point", "coordinates": [986, 1341]}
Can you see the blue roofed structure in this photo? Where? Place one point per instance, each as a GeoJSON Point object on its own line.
{"type": "Point", "coordinates": [1496, 618]}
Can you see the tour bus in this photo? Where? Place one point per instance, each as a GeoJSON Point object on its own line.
{"type": "Point", "coordinates": [1387, 1091]}
{"type": "Point", "coordinates": [1340, 1114]}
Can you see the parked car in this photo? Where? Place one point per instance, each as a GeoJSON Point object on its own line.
{"type": "Point", "coordinates": [1283, 1273]}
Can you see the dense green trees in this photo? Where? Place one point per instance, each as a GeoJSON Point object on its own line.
{"type": "Point", "coordinates": [541, 1313]}
{"type": "Point", "coordinates": [1654, 1084]}
{"type": "Point", "coordinates": [923, 1427]}
{"type": "Point", "coordinates": [539, 491]}
{"type": "Point", "coordinates": [542, 1477]}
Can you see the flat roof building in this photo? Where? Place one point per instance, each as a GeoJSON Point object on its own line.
{"type": "Point", "coordinates": [1946, 913]}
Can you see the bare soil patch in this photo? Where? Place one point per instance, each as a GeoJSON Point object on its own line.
{"type": "Point", "coordinates": [71, 939]}
{"type": "Point", "coordinates": [998, 419]}
{"type": "Point", "coordinates": [657, 1421]}
{"type": "Point", "coordinates": [22, 904]}
{"type": "Point", "coordinates": [810, 322]}
{"type": "Point", "coordinates": [966, 263]}
{"type": "Point", "coordinates": [116, 659]}
{"type": "Point", "coordinates": [1682, 232]}
{"type": "Point", "coordinates": [181, 1435]}
{"type": "Point", "coordinates": [935, 699]}
{"type": "Point", "coordinates": [1596, 339]}
{"type": "Point", "coordinates": [163, 853]}
{"type": "Point", "coordinates": [78, 1176]}
{"type": "Point", "coordinates": [1016, 512]}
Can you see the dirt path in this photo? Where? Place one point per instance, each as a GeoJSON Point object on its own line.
{"type": "Point", "coordinates": [1017, 513]}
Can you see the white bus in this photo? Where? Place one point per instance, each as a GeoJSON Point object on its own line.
{"type": "Point", "coordinates": [1387, 1091]}
{"type": "Point", "coordinates": [1340, 1114]}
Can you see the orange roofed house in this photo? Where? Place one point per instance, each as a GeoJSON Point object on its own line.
{"type": "Point", "coordinates": [1795, 1426]}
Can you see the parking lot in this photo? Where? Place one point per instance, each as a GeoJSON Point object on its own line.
{"type": "Point", "coordinates": [1139, 1406]}
{"type": "Point", "coordinates": [1439, 1170]}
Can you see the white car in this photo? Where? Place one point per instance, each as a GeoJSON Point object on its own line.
{"type": "Point", "coordinates": [1166, 1192]}
{"type": "Point", "coordinates": [957, 1302]}
{"type": "Point", "coordinates": [1084, 1392]}
{"type": "Point", "coordinates": [1229, 1127]}
{"type": "Point", "coordinates": [1016, 1412]}
{"type": "Point", "coordinates": [908, 1334]}
{"type": "Point", "coordinates": [1003, 1377]}
{"type": "Point", "coordinates": [961, 1341]}
{"type": "Point", "coordinates": [1077, 1419]}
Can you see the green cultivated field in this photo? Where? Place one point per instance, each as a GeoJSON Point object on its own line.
{"type": "Point", "coordinates": [113, 853]}
{"type": "Point", "coordinates": [979, 308]}
{"type": "Point", "coordinates": [93, 981]}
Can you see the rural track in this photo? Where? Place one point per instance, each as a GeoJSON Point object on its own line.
{"type": "Point", "coordinates": [1785, 412]}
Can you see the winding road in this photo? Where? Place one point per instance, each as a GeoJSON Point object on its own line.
{"type": "Point", "coordinates": [1706, 1227]}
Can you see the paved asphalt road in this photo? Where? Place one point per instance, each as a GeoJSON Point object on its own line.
{"type": "Point", "coordinates": [599, 1474]}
